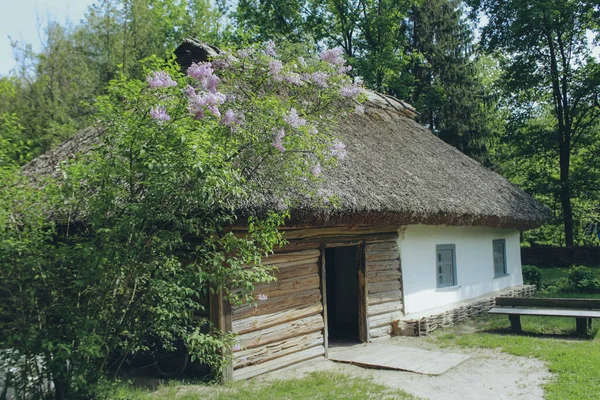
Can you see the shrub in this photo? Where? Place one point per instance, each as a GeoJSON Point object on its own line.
{"type": "Point", "coordinates": [532, 276]}
{"type": "Point", "coordinates": [580, 273]}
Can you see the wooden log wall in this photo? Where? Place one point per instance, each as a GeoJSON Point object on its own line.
{"type": "Point", "coordinates": [287, 327]}
{"type": "Point", "coordinates": [384, 286]}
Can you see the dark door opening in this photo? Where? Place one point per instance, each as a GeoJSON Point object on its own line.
{"type": "Point", "coordinates": [342, 293]}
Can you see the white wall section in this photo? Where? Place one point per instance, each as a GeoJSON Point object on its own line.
{"type": "Point", "coordinates": [474, 264]}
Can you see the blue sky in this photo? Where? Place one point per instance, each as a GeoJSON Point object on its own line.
{"type": "Point", "coordinates": [24, 20]}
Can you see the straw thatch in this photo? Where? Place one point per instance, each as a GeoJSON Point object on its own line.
{"type": "Point", "coordinates": [396, 172]}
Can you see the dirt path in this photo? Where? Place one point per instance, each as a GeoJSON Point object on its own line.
{"type": "Point", "coordinates": [485, 375]}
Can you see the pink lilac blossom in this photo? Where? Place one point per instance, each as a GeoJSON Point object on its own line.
{"type": "Point", "coordinates": [316, 170]}
{"type": "Point", "coordinates": [159, 113]}
{"type": "Point", "coordinates": [197, 102]}
{"type": "Point", "coordinates": [344, 68]}
{"type": "Point", "coordinates": [262, 297]}
{"type": "Point", "coordinates": [237, 347]}
{"type": "Point", "coordinates": [359, 109]}
{"type": "Point", "coordinates": [351, 91]}
{"type": "Point", "coordinates": [243, 359]}
{"type": "Point", "coordinates": [231, 119]}
{"type": "Point", "coordinates": [275, 67]}
{"type": "Point", "coordinates": [160, 79]}
{"type": "Point", "coordinates": [293, 119]}
{"type": "Point", "coordinates": [333, 56]}
{"type": "Point", "coordinates": [211, 83]}
{"type": "Point", "coordinates": [278, 141]}
{"type": "Point", "coordinates": [319, 78]}
{"type": "Point", "coordinates": [293, 78]}
{"type": "Point", "coordinates": [313, 130]}
{"type": "Point", "coordinates": [338, 150]}
{"type": "Point", "coordinates": [270, 48]}
{"type": "Point", "coordinates": [244, 53]}
{"type": "Point", "coordinates": [200, 71]}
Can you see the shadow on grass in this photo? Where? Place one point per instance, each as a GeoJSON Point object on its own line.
{"type": "Point", "coordinates": [573, 335]}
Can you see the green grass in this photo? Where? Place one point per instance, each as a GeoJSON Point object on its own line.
{"type": "Point", "coordinates": [574, 361]}
{"type": "Point", "coordinates": [317, 385]}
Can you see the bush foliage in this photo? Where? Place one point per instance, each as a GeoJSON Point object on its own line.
{"type": "Point", "coordinates": [120, 250]}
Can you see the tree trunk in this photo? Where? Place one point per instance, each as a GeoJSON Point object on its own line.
{"type": "Point", "coordinates": [565, 194]}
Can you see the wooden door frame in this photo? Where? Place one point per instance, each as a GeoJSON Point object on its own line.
{"type": "Point", "coordinates": [363, 323]}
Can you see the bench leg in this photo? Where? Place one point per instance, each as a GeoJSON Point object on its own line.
{"type": "Point", "coordinates": [515, 323]}
{"type": "Point", "coordinates": [581, 324]}
{"type": "Point", "coordinates": [590, 323]}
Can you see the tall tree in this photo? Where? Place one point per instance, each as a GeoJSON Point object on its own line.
{"type": "Point", "coordinates": [549, 63]}
{"type": "Point", "coordinates": [446, 87]}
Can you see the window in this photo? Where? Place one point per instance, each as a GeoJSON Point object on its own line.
{"type": "Point", "coordinates": [499, 257]}
{"type": "Point", "coordinates": [446, 265]}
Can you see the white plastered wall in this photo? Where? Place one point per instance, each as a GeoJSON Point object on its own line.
{"type": "Point", "coordinates": [474, 264]}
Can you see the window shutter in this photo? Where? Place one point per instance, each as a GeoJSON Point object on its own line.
{"type": "Point", "coordinates": [445, 266]}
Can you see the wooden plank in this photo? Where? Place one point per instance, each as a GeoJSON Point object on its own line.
{"type": "Point", "coordinates": [286, 272]}
{"type": "Point", "coordinates": [383, 265]}
{"type": "Point", "coordinates": [254, 323]}
{"type": "Point", "coordinates": [286, 330]}
{"type": "Point", "coordinates": [295, 234]}
{"type": "Point", "coordinates": [391, 246]}
{"type": "Point", "coordinates": [384, 319]}
{"type": "Point", "coordinates": [540, 302]}
{"type": "Point", "coordinates": [323, 272]}
{"type": "Point", "coordinates": [286, 287]}
{"type": "Point", "coordinates": [220, 316]}
{"type": "Point", "coordinates": [291, 256]}
{"type": "Point", "coordinates": [275, 350]}
{"type": "Point", "coordinates": [382, 276]}
{"type": "Point", "coordinates": [389, 356]}
{"type": "Point", "coordinates": [363, 286]}
{"type": "Point", "coordinates": [384, 297]}
{"type": "Point", "coordinates": [385, 308]}
{"type": "Point", "coordinates": [380, 331]}
{"type": "Point", "coordinates": [282, 362]}
{"type": "Point", "coordinates": [289, 247]}
{"type": "Point", "coordinates": [383, 255]}
{"type": "Point", "coordinates": [277, 304]}
{"type": "Point", "coordinates": [387, 286]}
{"type": "Point", "coordinates": [546, 313]}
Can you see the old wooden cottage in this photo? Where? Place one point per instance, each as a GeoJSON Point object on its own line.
{"type": "Point", "coordinates": [424, 237]}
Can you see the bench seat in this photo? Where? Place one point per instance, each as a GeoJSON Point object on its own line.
{"type": "Point", "coordinates": [583, 310]}
{"type": "Point", "coordinates": [541, 312]}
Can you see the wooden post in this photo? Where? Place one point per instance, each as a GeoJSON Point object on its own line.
{"type": "Point", "coordinates": [581, 324]}
{"type": "Point", "coordinates": [363, 323]}
{"type": "Point", "coordinates": [515, 323]}
{"type": "Point", "coordinates": [220, 316]}
{"type": "Point", "coordinates": [323, 275]}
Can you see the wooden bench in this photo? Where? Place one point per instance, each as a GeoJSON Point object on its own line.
{"type": "Point", "coordinates": [583, 310]}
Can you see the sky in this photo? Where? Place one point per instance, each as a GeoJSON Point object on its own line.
{"type": "Point", "coordinates": [24, 20]}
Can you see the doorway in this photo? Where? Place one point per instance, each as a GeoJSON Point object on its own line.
{"type": "Point", "coordinates": [342, 286]}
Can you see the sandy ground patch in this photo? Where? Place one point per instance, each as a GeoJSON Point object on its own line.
{"type": "Point", "coordinates": [487, 374]}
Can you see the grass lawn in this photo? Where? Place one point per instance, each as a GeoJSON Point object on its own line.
{"type": "Point", "coordinates": [574, 361]}
{"type": "Point", "coordinates": [314, 386]}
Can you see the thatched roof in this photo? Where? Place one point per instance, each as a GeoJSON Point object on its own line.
{"type": "Point", "coordinates": [396, 172]}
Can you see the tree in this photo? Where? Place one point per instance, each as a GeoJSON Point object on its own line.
{"type": "Point", "coordinates": [370, 32]}
{"type": "Point", "coordinates": [549, 63]}
{"type": "Point", "coordinates": [446, 85]}
{"type": "Point", "coordinates": [140, 233]}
